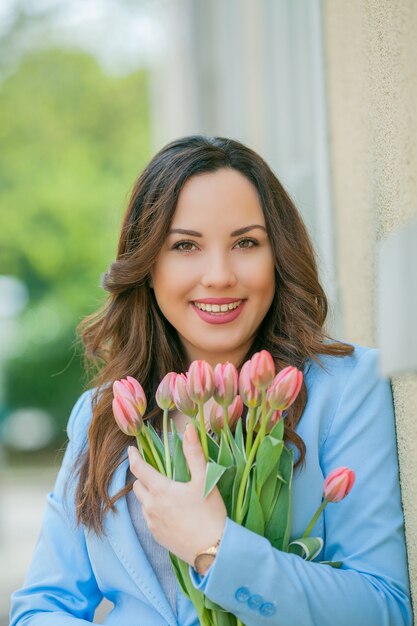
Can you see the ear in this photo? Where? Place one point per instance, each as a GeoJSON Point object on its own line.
{"type": "Point", "coordinates": [150, 282]}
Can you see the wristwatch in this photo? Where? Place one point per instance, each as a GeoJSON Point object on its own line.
{"type": "Point", "coordinates": [205, 558]}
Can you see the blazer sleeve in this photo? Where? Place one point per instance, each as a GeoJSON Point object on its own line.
{"type": "Point", "coordinates": [262, 585]}
{"type": "Point", "coordinates": [60, 588]}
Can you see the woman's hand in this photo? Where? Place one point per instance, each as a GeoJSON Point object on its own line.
{"type": "Point", "coordinates": [177, 515]}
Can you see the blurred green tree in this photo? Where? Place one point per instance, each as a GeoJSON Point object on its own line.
{"type": "Point", "coordinates": [72, 141]}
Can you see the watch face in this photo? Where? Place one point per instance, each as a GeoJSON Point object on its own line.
{"type": "Point", "coordinates": [203, 562]}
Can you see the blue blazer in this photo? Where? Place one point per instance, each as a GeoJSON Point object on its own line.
{"type": "Point", "coordinates": [348, 420]}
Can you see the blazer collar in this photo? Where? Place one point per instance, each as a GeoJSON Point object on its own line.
{"type": "Point", "coordinates": [122, 536]}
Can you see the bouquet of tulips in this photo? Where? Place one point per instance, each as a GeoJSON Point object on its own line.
{"type": "Point", "coordinates": [253, 472]}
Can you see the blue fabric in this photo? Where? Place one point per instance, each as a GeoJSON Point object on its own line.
{"type": "Point", "coordinates": [348, 420]}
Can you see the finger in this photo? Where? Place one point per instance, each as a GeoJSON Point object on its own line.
{"type": "Point", "coordinates": [147, 475]}
{"type": "Point", "coordinates": [194, 454]}
{"type": "Point", "coordinates": [140, 491]}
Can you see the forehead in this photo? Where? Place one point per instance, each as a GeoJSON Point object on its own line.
{"type": "Point", "coordinates": [225, 195]}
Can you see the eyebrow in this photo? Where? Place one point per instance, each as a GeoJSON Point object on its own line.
{"type": "Point", "coordinates": [235, 233]}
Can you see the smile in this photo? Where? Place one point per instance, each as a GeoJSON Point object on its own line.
{"type": "Point", "coordinates": [219, 313]}
{"type": "Point", "coordinates": [217, 308]}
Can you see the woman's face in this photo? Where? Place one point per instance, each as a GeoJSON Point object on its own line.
{"type": "Point", "coordinates": [222, 258]}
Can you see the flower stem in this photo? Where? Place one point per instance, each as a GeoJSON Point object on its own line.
{"type": "Point", "coordinates": [246, 471]}
{"type": "Point", "coordinates": [315, 518]}
{"type": "Point", "coordinates": [154, 452]}
{"type": "Point", "coordinates": [140, 448]}
{"type": "Point", "coordinates": [249, 431]}
{"type": "Point", "coordinates": [143, 445]}
{"type": "Point", "coordinates": [225, 415]}
{"type": "Point", "coordinates": [251, 457]}
{"type": "Point", "coordinates": [203, 434]}
{"type": "Point", "coordinates": [166, 445]}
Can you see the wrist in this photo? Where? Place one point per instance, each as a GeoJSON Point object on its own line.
{"type": "Point", "coordinates": [205, 557]}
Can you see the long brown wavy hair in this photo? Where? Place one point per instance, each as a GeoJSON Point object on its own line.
{"type": "Point", "coordinates": [130, 336]}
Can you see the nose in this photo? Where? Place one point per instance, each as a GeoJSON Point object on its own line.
{"type": "Point", "coordinates": [218, 273]}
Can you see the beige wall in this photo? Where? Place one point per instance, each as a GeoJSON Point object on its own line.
{"type": "Point", "coordinates": [371, 56]}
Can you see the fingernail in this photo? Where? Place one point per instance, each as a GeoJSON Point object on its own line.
{"type": "Point", "coordinates": [186, 434]}
{"type": "Point", "coordinates": [190, 433]}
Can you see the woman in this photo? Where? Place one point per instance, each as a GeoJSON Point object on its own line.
{"type": "Point", "coordinates": [209, 225]}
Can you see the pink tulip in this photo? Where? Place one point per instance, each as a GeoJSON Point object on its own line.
{"type": "Point", "coordinates": [130, 389]}
{"type": "Point", "coordinates": [129, 405]}
{"type": "Point", "coordinates": [226, 381]}
{"type": "Point", "coordinates": [200, 381]}
{"type": "Point", "coordinates": [234, 412]}
{"type": "Point", "coordinates": [262, 369]}
{"type": "Point", "coordinates": [163, 396]}
{"type": "Point", "coordinates": [285, 388]}
{"type": "Point", "coordinates": [248, 392]}
{"type": "Point", "coordinates": [181, 398]}
{"type": "Point", "coordinates": [338, 484]}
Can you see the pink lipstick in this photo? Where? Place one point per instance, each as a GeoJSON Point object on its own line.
{"type": "Point", "coordinates": [220, 317]}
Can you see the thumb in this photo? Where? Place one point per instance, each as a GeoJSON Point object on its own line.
{"type": "Point", "coordinates": [193, 453]}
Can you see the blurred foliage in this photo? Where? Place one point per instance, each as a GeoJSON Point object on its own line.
{"type": "Point", "coordinates": [72, 141]}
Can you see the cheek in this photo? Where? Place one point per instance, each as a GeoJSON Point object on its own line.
{"type": "Point", "coordinates": [168, 281]}
{"type": "Point", "coordinates": [260, 277]}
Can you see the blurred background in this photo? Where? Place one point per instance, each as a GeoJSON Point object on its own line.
{"type": "Point", "coordinates": [324, 90]}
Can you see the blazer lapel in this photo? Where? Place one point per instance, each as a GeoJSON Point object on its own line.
{"type": "Point", "coordinates": [122, 536]}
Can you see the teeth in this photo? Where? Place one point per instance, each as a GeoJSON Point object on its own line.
{"type": "Point", "coordinates": [217, 308]}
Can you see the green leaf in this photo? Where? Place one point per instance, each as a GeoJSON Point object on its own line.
{"type": "Point", "coordinates": [279, 525]}
{"type": "Point", "coordinates": [267, 459]}
{"type": "Point", "coordinates": [278, 430]}
{"type": "Point", "coordinates": [225, 486]}
{"type": "Point", "coordinates": [240, 461]}
{"type": "Point", "coordinates": [269, 494]}
{"type": "Point", "coordinates": [181, 472]}
{"type": "Point", "coordinates": [213, 446]}
{"type": "Point", "coordinates": [225, 456]}
{"type": "Point", "coordinates": [181, 569]}
{"type": "Point", "coordinates": [236, 451]}
{"type": "Point", "coordinates": [306, 547]}
{"type": "Point", "coordinates": [157, 441]}
{"type": "Point", "coordinates": [255, 519]}
{"type": "Point", "coordinates": [239, 437]}
{"type": "Point", "coordinates": [212, 605]}
{"type": "Point", "coordinates": [214, 472]}
{"type": "Point", "coordinates": [178, 574]}
{"type": "Point", "coordinates": [236, 485]}
{"type": "Point", "coordinates": [221, 617]}
{"type": "Point", "coordinates": [335, 564]}
{"type": "Point", "coordinates": [245, 503]}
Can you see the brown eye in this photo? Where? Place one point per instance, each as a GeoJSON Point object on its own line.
{"type": "Point", "coordinates": [247, 243]}
{"type": "Point", "coordinates": [184, 246]}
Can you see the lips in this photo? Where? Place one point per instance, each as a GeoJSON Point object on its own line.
{"type": "Point", "coordinates": [219, 317]}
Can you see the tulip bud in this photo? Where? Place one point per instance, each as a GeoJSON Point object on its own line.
{"type": "Point", "coordinates": [226, 382]}
{"type": "Point", "coordinates": [130, 389]}
{"type": "Point", "coordinates": [181, 398]}
{"type": "Point", "coordinates": [262, 369]}
{"type": "Point", "coordinates": [200, 381]}
{"type": "Point", "coordinates": [248, 392]}
{"type": "Point", "coordinates": [164, 392]}
{"type": "Point", "coordinates": [338, 484]}
{"type": "Point", "coordinates": [127, 419]}
{"type": "Point", "coordinates": [284, 389]}
{"type": "Point", "coordinates": [234, 412]}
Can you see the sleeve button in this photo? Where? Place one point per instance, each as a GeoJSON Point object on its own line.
{"type": "Point", "coordinates": [255, 601]}
{"type": "Point", "coordinates": [267, 609]}
{"type": "Point", "coordinates": [242, 594]}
